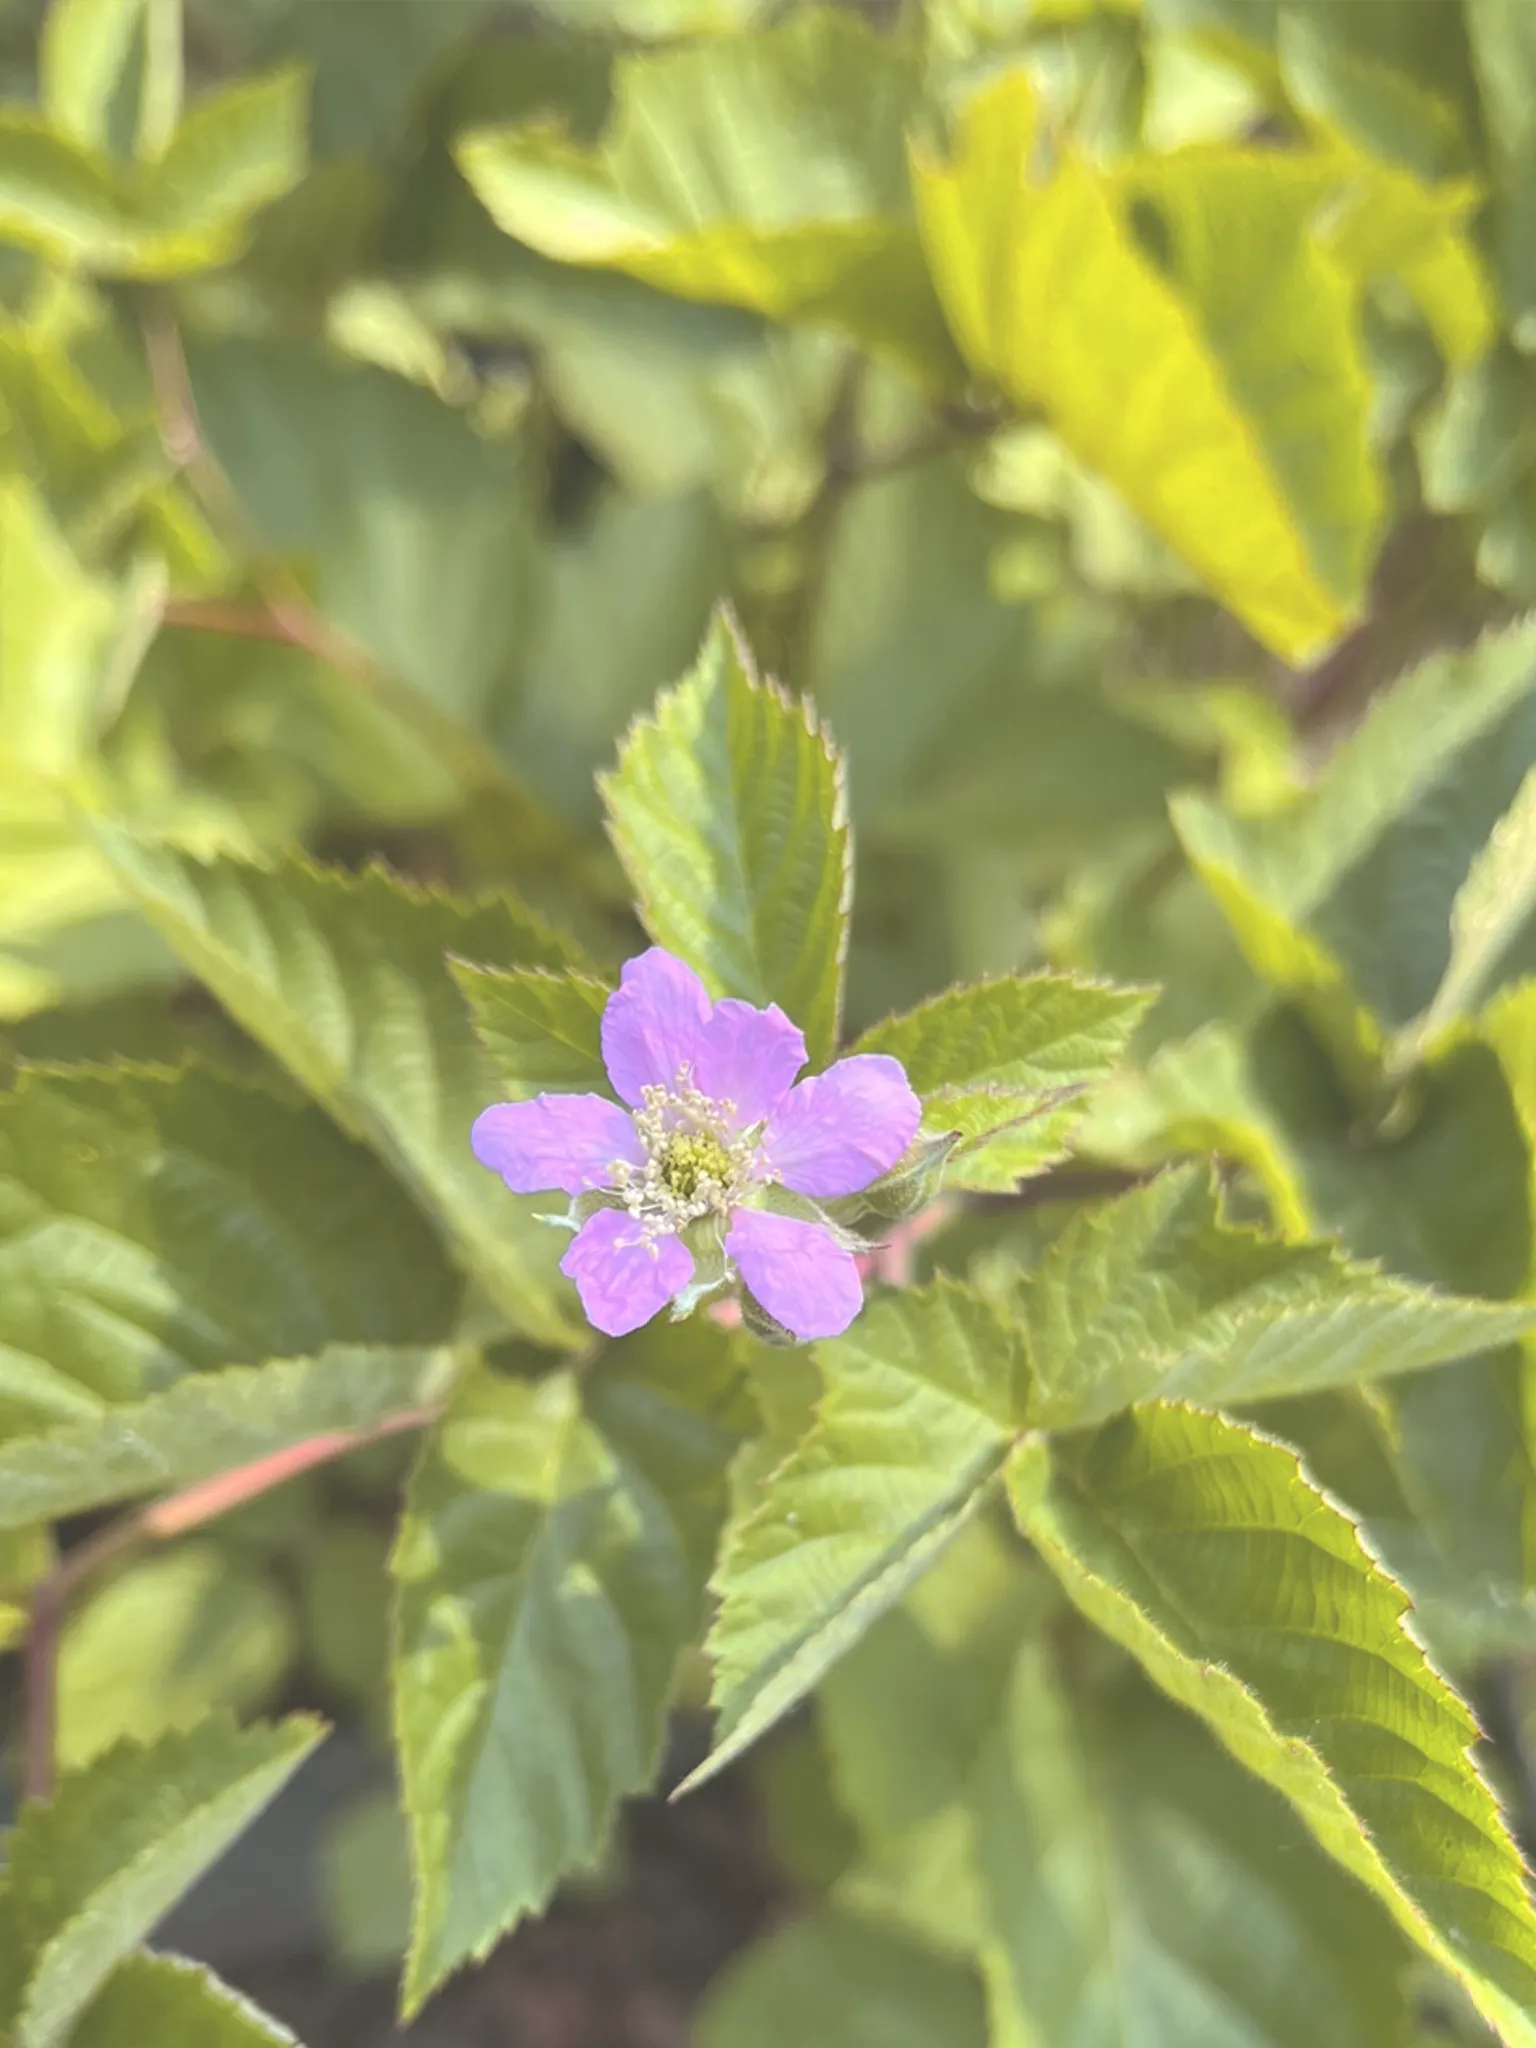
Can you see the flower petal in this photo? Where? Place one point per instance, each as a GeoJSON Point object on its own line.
{"type": "Point", "coordinates": [838, 1131]}
{"type": "Point", "coordinates": [749, 1057]}
{"type": "Point", "coordinates": [653, 1023]}
{"type": "Point", "coordinates": [622, 1276]}
{"type": "Point", "coordinates": [798, 1271]}
{"type": "Point", "coordinates": [568, 1142]}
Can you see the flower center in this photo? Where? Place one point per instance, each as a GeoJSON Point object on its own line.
{"type": "Point", "coordinates": [690, 1159]}
{"type": "Point", "coordinates": [696, 1160]}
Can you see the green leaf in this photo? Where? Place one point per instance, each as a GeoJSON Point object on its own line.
{"type": "Point", "coordinates": [157, 1224]}
{"type": "Point", "coordinates": [58, 621]}
{"type": "Point", "coordinates": [1199, 1095]}
{"type": "Point", "coordinates": [212, 1422]}
{"type": "Point", "coordinates": [1248, 1596]}
{"type": "Point", "coordinates": [1491, 911]}
{"type": "Point", "coordinates": [231, 155]}
{"type": "Point", "coordinates": [922, 1399]}
{"type": "Point", "coordinates": [1140, 1889]}
{"type": "Point", "coordinates": [85, 53]}
{"type": "Point", "coordinates": [539, 1030]}
{"type": "Point", "coordinates": [1502, 35]}
{"type": "Point", "coordinates": [343, 978]}
{"type": "Point", "coordinates": [187, 210]}
{"type": "Point", "coordinates": [833, 1981]}
{"type": "Point", "coordinates": [82, 54]}
{"type": "Point", "coordinates": [174, 2004]}
{"type": "Point", "coordinates": [1172, 387]}
{"type": "Point", "coordinates": [1153, 1295]}
{"type": "Point", "coordinates": [171, 1639]}
{"type": "Point", "coordinates": [94, 1871]}
{"type": "Point", "coordinates": [1010, 1052]}
{"type": "Point", "coordinates": [59, 200]}
{"type": "Point", "coordinates": [727, 810]}
{"type": "Point", "coordinates": [1359, 878]}
{"type": "Point", "coordinates": [549, 1570]}
{"type": "Point", "coordinates": [764, 171]}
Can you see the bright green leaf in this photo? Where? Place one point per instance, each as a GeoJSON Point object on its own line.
{"type": "Point", "coordinates": [922, 1398]}
{"type": "Point", "coordinates": [727, 809]}
{"type": "Point", "coordinates": [82, 54]}
{"type": "Point", "coordinates": [94, 1871]}
{"type": "Point", "coordinates": [539, 1030]}
{"type": "Point", "coordinates": [211, 1422]}
{"type": "Point", "coordinates": [764, 171]}
{"type": "Point", "coordinates": [169, 1640]}
{"type": "Point", "coordinates": [1493, 907]}
{"type": "Point", "coordinates": [1248, 1596]}
{"type": "Point", "coordinates": [173, 2004]}
{"type": "Point", "coordinates": [344, 979]}
{"type": "Point", "coordinates": [1153, 1295]}
{"type": "Point", "coordinates": [157, 1224]}
{"type": "Point", "coordinates": [231, 155]}
{"type": "Point", "coordinates": [549, 1570]}
{"type": "Point", "coordinates": [1171, 387]}
{"type": "Point", "coordinates": [1359, 878]}
{"type": "Point", "coordinates": [1143, 1893]}
{"type": "Point", "coordinates": [1010, 1052]}
{"type": "Point", "coordinates": [58, 199]}
{"type": "Point", "coordinates": [55, 621]}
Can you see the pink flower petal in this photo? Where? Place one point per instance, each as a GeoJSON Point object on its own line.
{"type": "Point", "coordinates": [749, 1057]}
{"type": "Point", "coordinates": [838, 1131]}
{"type": "Point", "coordinates": [798, 1271]}
{"type": "Point", "coordinates": [568, 1142]}
{"type": "Point", "coordinates": [622, 1276]}
{"type": "Point", "coordinates": [653, 1024]}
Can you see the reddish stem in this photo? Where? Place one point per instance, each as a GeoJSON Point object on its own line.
{"type": "Point", "coordinates": [161, 1520]}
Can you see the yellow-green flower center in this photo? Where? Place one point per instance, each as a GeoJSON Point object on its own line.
{"type": "Point", "coordinates": [691, 1158]}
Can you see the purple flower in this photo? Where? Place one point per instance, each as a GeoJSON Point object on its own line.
{"type": "Point", "coordinates": [715, 1118]}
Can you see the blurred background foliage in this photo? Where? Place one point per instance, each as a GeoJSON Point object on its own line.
{"type": "Point", "coordinates": [389, 390]}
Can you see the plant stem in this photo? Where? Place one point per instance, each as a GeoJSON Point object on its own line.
{"type": "Point", "coordinates": [161, 1520]}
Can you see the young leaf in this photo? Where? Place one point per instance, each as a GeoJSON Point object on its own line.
{"type": "Point", "coordinates": [95, 1870]}
{"type": "Point", "coordinates": [211, 1422]}
{"type": "Point", "coordinates": [230, 156]}
{"type": "Point", "coordinates": [834, 1981]}
{"type": "Point", "coordinates": [159, 1223]}
{"type": "Point", "coordinates": [764, 171]}
{"type": "Point", "coordinates": [1170, 388]}
{"type": "Point", "coordinates": [1009, 1052]}
{"type": "Point", "coordinates": [1154, 1295]}
{"type": "Point", "coordinates": [82, 54]}
{"type": "Point", "coordinates": [549, 1569]}
{"type": "Point", "coordinates": [539, 1030]}
{"type": "Point", "coordinates": [1137, 1887]}
{"type": "Point", "coordinates": [1363, 873]}
{"type": "Point", "coordinates": [1202, 1547]}
{"type": "Point", "coordinates": [727, 809]}
{"type": "Point", "coordinates": [344, 979]}
{"type": "Point", "coordinates": [58, 199]}
{"type": "Point", "coordinates": [922, 1398]}
{"type": "Point", "coordinates": [173, 2004]}
{"type": "Point", "coordinates": [1493, 907]}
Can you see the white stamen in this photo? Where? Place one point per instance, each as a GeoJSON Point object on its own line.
{"type": "Point", "coordinates": [697, 1163]}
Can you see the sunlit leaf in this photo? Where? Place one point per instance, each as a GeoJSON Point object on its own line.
{"type": "Point", "coordinates": [344, 979]}
{"type": "Point", "coordinates": [549, 1570]}
{"type": "Point", "coordinates": [922, 1398]}
{"type": "Point", "coordinates": [764, 171]}
{"type": "Point", "coordinates": [1165, 382]}
{"type": "Point", "coordinates": [727, 810]}
{"type": "Point", "coordinates": [93, 1872]}
{"type": "Point", "coordinates": [1248, 1596]}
